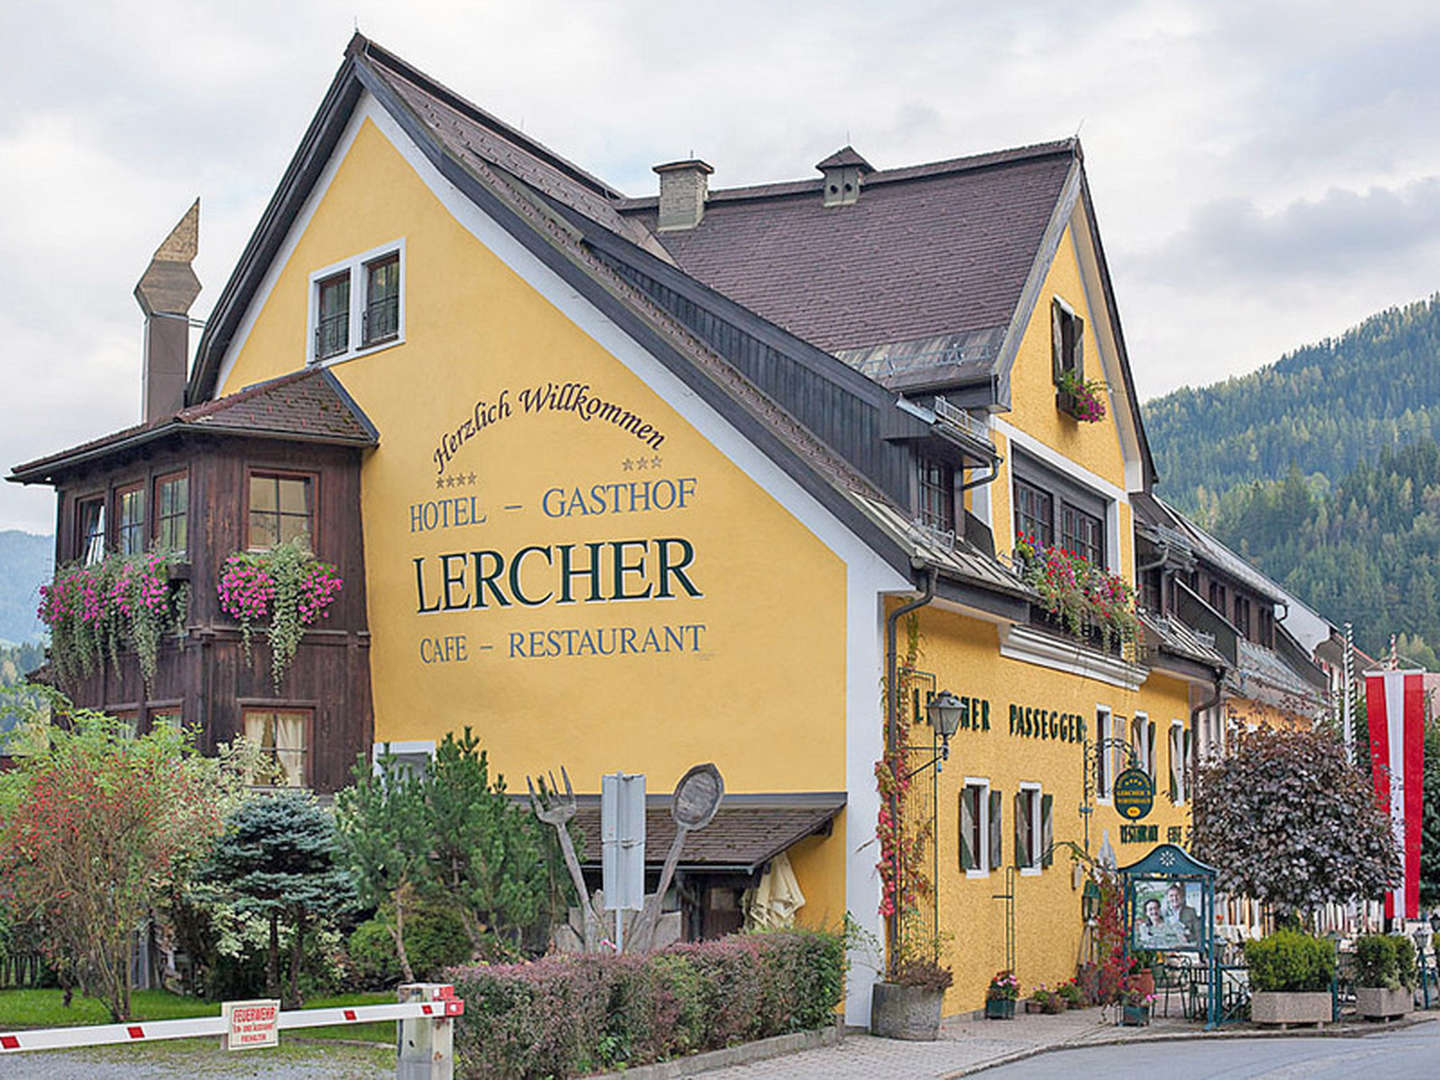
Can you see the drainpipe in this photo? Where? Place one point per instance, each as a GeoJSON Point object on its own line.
{"type": "Point", "coordinates": [979, 480]}
{"type": "Point", "coordinates": [892, 713]}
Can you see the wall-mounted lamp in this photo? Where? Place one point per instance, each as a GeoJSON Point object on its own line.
{"type": "Point", "coordinates": [943, 713]}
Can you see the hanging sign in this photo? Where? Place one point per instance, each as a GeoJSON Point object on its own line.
{"type": "Point", "coordinates": [1134, 794]}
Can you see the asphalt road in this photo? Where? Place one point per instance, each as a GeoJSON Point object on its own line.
{"type": "Point", "coordinates": [1396, 1055]}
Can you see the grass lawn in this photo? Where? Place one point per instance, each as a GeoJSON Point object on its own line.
{"type": "Point", "coordinates": [21, 1009]}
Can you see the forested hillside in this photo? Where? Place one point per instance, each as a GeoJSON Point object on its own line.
{"type": "Point", "coordinates": [1323, 468]}
{"type": "Point", "coordinates": [25, 564]}
{"type": "Point", "coordinates": [1325, 408]}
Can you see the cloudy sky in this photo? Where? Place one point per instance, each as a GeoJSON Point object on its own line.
{"type": "Point", "coordinates": [1264, 174]}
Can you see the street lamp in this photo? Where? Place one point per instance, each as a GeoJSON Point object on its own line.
{"type": "Point", "coordinates": [943, 714]}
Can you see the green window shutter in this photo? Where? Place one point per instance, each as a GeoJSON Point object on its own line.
{"type": "Point", "coordinates": [1022, 831]}
{"type": "Point", "coordinates": [1150, 751]}
{"type": "Point", "coordinates": [1079, 325]}
{"type": "Point", "coordinates": [996, 854]}
{"type": "Point", "coordinates": [1047, 829]}
{"type": "Point", "coordinates": [967, 828]}
{"type": "Point", "coordinates": [1188, 749]}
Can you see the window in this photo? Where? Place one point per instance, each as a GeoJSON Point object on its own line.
{"type": "Point", "coordinates": [332, 327]}
{"type": "Point", "coordinates": [1053, 507]}
{"type": "Point", "coordinates": [382, 300]}
{"type": "Point", "coordinates": [1067, 340]}
{"type": "Point", "coordinates": [1242, 616]}
{"type": "Point", "coordinates": [1034, 511]}
{"type": "Point", "coordinates": [1179, 760]}
{"type": "Point", "coordinates": [1142, 743]}
{"type": "Point", "coordinates": [90, 530]}
{"type": "Point", "coordinates": [1034, 829]}
{"type": "Point", "coordinates": [172, 512]}
{"type": "Point", "coordinates": [1105, 754]}
{"type": "Point", "coordinates": [170, 716]}
{"type": "Point", "coordinates": [1217, 597]}
{"type": "Point", "coordinates": [357, 305]}
{"type": "Point", "coordinates": [1265, 635]}
{"type": "Point", "coordinates": [979, 827]}
{"type": "Point", "coordinates": [937, 495]}
{"type": "Point", "coordinates": [130, 519]}
{"type": "Point", "coordinates": [282, 737]}
{"type": "Point", "coordinates": [1082, 533]}
{"type": "Point", "coordinates": [281, 508]}
{"type": "Point", "coordinates": [411, 756]}
{"type": "Point", "coordinates": [130, 718]}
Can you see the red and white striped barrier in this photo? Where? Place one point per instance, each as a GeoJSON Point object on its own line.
{"type": "Point", "coordinates": [444, 1007]}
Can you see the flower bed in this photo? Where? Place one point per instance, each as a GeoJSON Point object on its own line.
{"type": "Point", "coordinates": [121, 602]}
{"type": "Point", "coordinates": [566, 1016]}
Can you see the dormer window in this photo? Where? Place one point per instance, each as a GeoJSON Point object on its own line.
{"type": "Point", "coordinates": [937, 496]}
{"type": "Point", "coordinates": [358, 306]}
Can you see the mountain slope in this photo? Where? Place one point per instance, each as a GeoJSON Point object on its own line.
{"type": "Point", "coordinates": [1325, 408]}
{"type": "Point", "coordinates": [25, 564]}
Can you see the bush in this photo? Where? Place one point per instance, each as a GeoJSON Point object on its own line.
{"type": "Point", "coordinates": [1386, 961]}
{"type": "Point", "coordinates": [564, 1016]}
{"type": "Point", "coordinates": [1290, 961]}
{"type": "Point", "coordinates": [434, 939]}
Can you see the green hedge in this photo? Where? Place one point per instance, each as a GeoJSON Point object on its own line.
{"type": "Point", "coordinates": [1289, 960]}
{"type": "Point", "coordinates": [1386, 961]}
{"type": "Point", "coordinates": [565, 1016]}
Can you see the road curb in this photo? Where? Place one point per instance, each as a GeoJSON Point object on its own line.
{"type": "Point", "coordinates": [741, 1054]}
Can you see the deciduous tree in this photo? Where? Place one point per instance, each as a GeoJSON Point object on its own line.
{"type": "Point", "coordinates": [1287, 820]}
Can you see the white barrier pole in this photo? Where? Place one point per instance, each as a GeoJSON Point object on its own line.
{"type": "Point", "coordinates": [426, 1048]}
{"type": "Point", "coordinates": [438, 1008]}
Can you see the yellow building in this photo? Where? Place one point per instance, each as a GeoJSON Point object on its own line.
{"type": "Point", "coordinates": [645, 482]}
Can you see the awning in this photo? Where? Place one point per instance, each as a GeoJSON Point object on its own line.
{"type": "Point", "coordinates": [748, 831]}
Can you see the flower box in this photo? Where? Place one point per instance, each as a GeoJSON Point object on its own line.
{"type": "Point", "coordinates": [1291, 1007]}
{"type": "Point", "coordinates": [1135, 1015]}
{"type": "Point", "coordinates": [1380, 1003]}
{"type": "Point", "coordinates": [905, 1012]}
{"type": "Point", "coordinates": [999, 1009]}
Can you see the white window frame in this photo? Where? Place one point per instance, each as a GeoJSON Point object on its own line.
{"type": "Point", "coordinates": [355, 267]}
{"type": "Point", "coordinates": [1104, 729]}
{"type": "Point", "coordinates": [401, 748]}
{"type": "Point", "coordinates": [1036, 795]}
{"type": "Point", "coordinates": [1182, 792]}
{"type": "Point", "coordinates": [1144, 758]}
{"type": "Point", "coordinates": [982, 856]}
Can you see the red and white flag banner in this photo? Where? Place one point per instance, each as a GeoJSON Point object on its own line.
{"type": "Point", "coordinates": [1394, 703]}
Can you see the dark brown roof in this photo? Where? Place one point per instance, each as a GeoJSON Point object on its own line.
{"type": "Point", "coordinates": [845, 157]}
{"type": "Point", "coordinates": [747, 832]}
{"type": "Point", "coordinates": [307, 406]}
{"type": "Point", "coordinates": [929, 250]}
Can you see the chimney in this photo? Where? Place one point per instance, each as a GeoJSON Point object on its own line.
{"type": "Point", "coordinates": [843, 171]}
{"type": "Point", "coordinates": [165, 292]}
{"type": "Point", "coordinates": [683, 188]}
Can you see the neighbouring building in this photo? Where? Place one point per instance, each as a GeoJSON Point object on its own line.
{"type": "Point", "coordinates": [635, 483]}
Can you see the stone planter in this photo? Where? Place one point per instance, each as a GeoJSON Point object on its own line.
{"type": "Point", "coordinates": [999, 1009]}
{"type": "Point", "coordinates": [1291, 1007]}
{"type": "Point", "coordinates": [1378, 1003]}
{"type": "Point", "coordinates": [1032, 1006]}
{"type": "Point", "coordinates": [905, 1012]}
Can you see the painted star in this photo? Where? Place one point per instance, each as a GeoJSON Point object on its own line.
{"type": "Point", "coordinates": [627, 464]}
{"type": "Point", "coordinates": [655, 462]}
{"type": "Point", "coordinates": [641, 463]}
{"type": "Point", "coordinates": [439, 481]}
{"type": "Point", "coordinates": [472, 480]}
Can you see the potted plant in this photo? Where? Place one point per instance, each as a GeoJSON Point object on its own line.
{"type": "Point", "coordinates": [1135, 1002]}
{"type": "Point", "coordinates": [1290, 978]}
{"type": "Point", "coordinates": [1001, 995]}
{"type": "Point", "coordinates": [1143, 963]}
{"type": "Point", "coordinates": [1384, 976]}
{"type": "Point", "coordinates": [1072, 993]}
{"type": "Point", "coordinates": [1045, 1000]}
{"type": "Point", "coordinates": [1084, 400]}
{"type": "Point", "coordinates": [907, 1005]}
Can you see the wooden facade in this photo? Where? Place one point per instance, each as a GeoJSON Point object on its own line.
{"type": "Point", "coordinates": [206, 677]}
